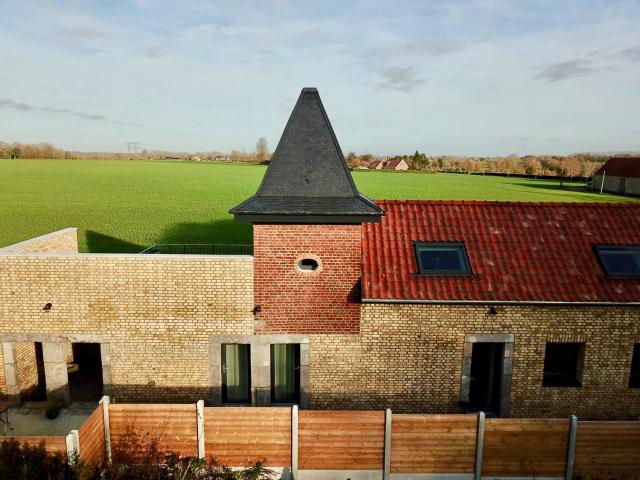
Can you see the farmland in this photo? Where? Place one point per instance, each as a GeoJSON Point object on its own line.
{"type": "Point", "coordinates": [126, 206]}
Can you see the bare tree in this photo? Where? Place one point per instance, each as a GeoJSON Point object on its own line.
{"type": "Point", "coordinates": [262, 149]}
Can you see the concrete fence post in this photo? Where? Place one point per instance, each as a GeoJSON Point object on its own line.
{"type": "Point", "coordinates": [571, 447]}
{"type": "Point", "coordinates": [294, 442]}
{"type": "Point", "coordinates": [200, 427]}
{"type": "Point", "coordinates": [386, 473]}
{"type": "Point", "coordinates": [477, 473]}
{"type": "Point", "coordinates": [73, 446]}
{"type": "Point", "coordinates": [104, 401]}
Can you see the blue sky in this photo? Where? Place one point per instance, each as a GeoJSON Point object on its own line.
{"type": "Point", "coordinates": [484, 77]}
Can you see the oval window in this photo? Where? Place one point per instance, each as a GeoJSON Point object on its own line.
{"type": "Point", "coordinates": [308, 265]}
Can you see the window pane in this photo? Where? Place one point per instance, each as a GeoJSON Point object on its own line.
{"type": "Point", "coordinates": [634, 378]}
{"type": "Point", "coordinates": [563, 364]}
{"type": "Point", "coordinates": [620, 261]}
{"type": "Point", "coordinates": [442, 258]}
{"type": "Point", "coordinates": [285, 373]}
{"type": "Point", "coordinates": [236, 368]}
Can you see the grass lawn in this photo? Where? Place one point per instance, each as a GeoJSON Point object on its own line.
{"type": "Point", "coordinates": [126, 206]}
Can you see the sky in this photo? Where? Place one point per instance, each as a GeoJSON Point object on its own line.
{"type": "Point", "coordinates": [476, 77]}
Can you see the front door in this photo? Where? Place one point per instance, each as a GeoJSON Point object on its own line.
{"type": "Point", "coordinates": [622, 185]}
{"type": "Point", "coordinates": [486, 377]}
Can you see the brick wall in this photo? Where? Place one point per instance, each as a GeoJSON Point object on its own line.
{"type": "Point", "coordinates": [61, 241]}
{"type": "Point", "coordinates": [3, 380]}
{"type": "Point", "coordinates": [409, 358]}
{"type": "Point", "coordinates": [27, 368]}
{"type": "Point", "coordinates": [156, 312]}
{"type": "Point", "coordinates": [68, 352]}
{"type": "Point", "coordinates": [293, 301]}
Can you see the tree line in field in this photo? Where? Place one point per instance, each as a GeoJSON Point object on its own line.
{"type": "Point", "coordinates": [575, 165]}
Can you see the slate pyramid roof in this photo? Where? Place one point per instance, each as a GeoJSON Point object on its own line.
{"type": "Point", "coordinates": [308, 180]}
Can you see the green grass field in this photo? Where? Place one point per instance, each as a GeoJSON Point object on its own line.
{"type": "Point", "coordinates": [126, 206]}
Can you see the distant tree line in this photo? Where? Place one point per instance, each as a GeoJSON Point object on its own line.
{"type": "Point", "coordinates": [27, 150]}
{"type": "Point", "coordinates": [575, 165]}
{"type": "Point", "coordinates": [47, 150]}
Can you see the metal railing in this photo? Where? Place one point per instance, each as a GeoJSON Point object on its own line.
{"type": "Point", "coordinates": [199, 249]}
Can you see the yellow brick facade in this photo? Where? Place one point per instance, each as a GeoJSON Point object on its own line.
{"type": "Point", "coordinates": [60, 241]}
{"type": "Point", "coordinates": [156, 315]}
{"type": "Point", "coordinates": [409, 358]}
{"type": "Point", "coordinates": [155, 312]}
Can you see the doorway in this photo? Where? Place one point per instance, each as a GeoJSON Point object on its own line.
{"type": "Point", "coordinates": [622, 185]}
{"type": "Point", "coordinates": [486, 377]}
{"type": "Point", "coordinates": [85, 373]}
{"type": "Point", "coordinates": [236, 373]}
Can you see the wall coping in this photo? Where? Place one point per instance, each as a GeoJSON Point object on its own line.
{"type": "Point", "coordinates": [138, 256]}
{"type": "Point", "coordinates": [38, 239]}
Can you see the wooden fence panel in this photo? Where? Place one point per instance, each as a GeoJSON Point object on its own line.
{"type": "Point", "coordinates": [51, 444]}
{"type": "Point", "coordinates": [433, 443]}
{"type": "Point", "coordinates": [340, 440]}
{"type": "Point", "coordinates": [607, 450]}
{"type": "Point", "coordinates": [525, 447]}
{"type": "Point", "coordinates": [174, 425]}
{"type": "Point", "coordinates": [91, 437]}
{"type": "Point", "coordinates": [240, 436]}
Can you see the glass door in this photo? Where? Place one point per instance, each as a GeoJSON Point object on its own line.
{"type": "Point", "coordinates": [236, 373]}
{"type": "Point", "coordinates": [285, 373]}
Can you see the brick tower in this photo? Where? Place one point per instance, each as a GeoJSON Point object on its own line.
{"type": "Point", "coordinates": [307, 216]}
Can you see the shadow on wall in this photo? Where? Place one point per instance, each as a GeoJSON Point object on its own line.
{"type": "Point", "coordinates": [150, 393]}
{"type": "Point", "coordinates": [101, 243]}
{"type": "Point", "coordinates": [577, 189]}
{"type": "Point", "coordinates": [226, 232]}
{"type": "Point", "coordinates": [556, 187]}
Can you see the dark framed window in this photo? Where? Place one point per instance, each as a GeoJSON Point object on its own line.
{"type": "Point", "coordinates": [619, 260]}
{"type": "Point", "coordinates": [634, 377]}
{"type": "Point", "coordinates": [236, 373]}
{"type": "Point", "coordinates": [285, 373]}
{"type": "Point", "coordinates": [563, 364]}
{"type": "Point", "coordinates": [442, 258]}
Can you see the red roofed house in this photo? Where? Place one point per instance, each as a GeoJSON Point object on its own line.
{"type": "Point", "coordinates": [619, 175]}
{"type": "Point", "coordinates": [397, 163]}
{"type": "Point", "coordinates": [516, 309]}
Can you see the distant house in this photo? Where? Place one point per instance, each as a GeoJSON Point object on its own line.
{"type": "Point", "coordinates": [396, 164]}
{"type": "Point", "coordinates": [619, 175]}
{"type": "Point", "coordinates": [376, 165]}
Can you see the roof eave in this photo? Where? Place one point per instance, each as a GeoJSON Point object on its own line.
{"type": "Point", "coordinates": [499, 302]}
{"type": "Point", "coordinates": [266, 217]}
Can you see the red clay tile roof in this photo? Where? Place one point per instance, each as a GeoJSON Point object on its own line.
{"type": "Point", "coordinates": [621, 167]}
{"type": "Point", "coordinates": [393, 163]}
{"type": "Point", "coordinates": [530, 252]}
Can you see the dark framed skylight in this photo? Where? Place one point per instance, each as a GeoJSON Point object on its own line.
{"type": "Point", "coordinates": [442, 258]}
{"type": "Point", "coordinates": [619, 260]}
